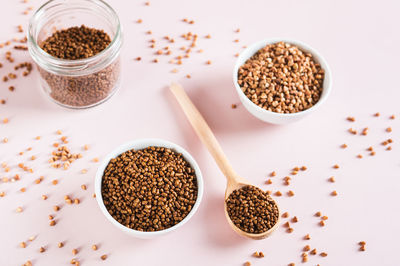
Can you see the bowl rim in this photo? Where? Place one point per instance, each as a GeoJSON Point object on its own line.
{"type": "Point", "coordinates": [140, 144]}
{"type": "Point", "coordinates": [304, 47]}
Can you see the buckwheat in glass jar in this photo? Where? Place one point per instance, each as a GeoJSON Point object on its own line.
{"type": "Point", "coordinates": [76, 46]}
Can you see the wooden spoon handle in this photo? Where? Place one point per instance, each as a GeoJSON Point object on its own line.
{"type": "Point", "coordinates": [203, 131]}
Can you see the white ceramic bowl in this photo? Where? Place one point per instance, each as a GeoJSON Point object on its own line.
{"type": "Point", "coordinates": [273, 117]}
{"type": "Point", "coordinates": [137, 145]}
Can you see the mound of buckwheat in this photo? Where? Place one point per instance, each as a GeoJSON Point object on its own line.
{"type": "Point", "coordinates": [282, 78]}
{"type": "Point", "coordinates": [150, 189]}
{"type": "Point", "coordinates": [76, 43]}
{"type": "Point", "coordinates": [252, 210]}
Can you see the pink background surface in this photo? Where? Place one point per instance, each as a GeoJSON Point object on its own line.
{"type": "Point", "coordinates": [359, 39]}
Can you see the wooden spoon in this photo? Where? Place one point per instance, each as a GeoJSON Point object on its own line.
{"type": "Point", "coordinates": [234, 181]}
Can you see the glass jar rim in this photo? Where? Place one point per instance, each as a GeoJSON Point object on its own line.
{"type": "Point", "coordinates": [66, 64]}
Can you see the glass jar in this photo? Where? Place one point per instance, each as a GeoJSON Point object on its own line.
{"type": "Point", "coordinates": [84, 82]}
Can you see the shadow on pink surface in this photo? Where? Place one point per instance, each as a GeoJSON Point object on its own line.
{"type": "Point", "coordinates": [214, 97]}
{"type": "Point", "coordinates": [28, 94]}
{"type": "Point", "coordinates": [217, 229]}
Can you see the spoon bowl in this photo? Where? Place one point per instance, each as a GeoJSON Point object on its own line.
{"type": "Point", "coordinates": [234, 181]}
{"type": "Point", "coordinates": [232, 186]}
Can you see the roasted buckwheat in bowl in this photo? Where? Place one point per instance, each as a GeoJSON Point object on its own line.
{"type": "Point", "coordinates": [280, 81]}
{"type": "Point", "coordinates": [148, 187]}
